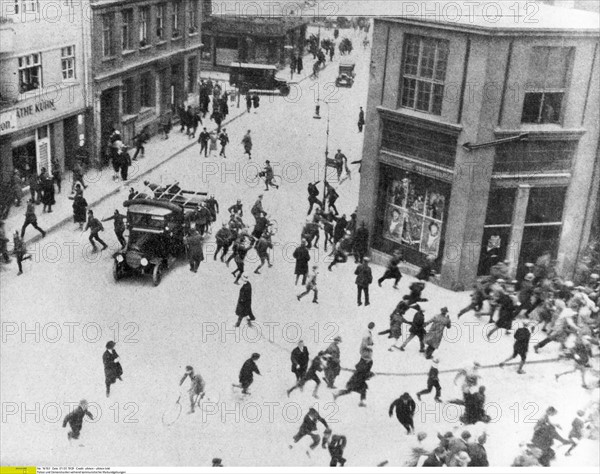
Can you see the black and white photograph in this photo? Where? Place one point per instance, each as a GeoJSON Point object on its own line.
{"type": "Point", "coordinates": [299, 235]}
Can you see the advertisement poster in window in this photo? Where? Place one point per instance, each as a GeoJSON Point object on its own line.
{"type": "Point", "coordinates": [430, 243]}
{"type": "Point", "coordinates": [393, 223]}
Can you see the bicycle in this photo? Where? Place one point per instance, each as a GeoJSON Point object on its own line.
{"type": "Point", "coordinates": [173, 412]}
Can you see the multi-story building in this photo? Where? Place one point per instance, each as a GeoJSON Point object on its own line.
{"type": "Point", "coordinates": [145, 62]}
{"type": "Point", "coordinates": [482, 135]}
{"type": "Point", "coordinates": [259, 32]}
{"type": "Point", "coordinates": [43, 85]}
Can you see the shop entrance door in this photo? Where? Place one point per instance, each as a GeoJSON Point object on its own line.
{"type": "Point", "coordinates": [109, 117]}
{"type": "Point", "coordinates": [71, 140]}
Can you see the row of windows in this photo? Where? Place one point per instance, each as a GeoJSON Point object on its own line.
{"type": "Point", "coordinates": [138, 36]}
{"type": "Point", "coordinates": [424, 74]}
{"type": "Point", "coordinates": [145, 86]}
{"type": "Point", "coordinates": [30, 69]}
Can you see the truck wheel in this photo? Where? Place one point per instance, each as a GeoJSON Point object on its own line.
{"type": "Point", "coordinates": [285, 91]}
{"type": "Point", "coordinates": [117, 271]}
{"type": "Point", "coordinates": [157, 274]}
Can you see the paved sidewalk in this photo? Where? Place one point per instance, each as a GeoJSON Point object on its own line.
{"type": "Point", "coordinates": [101, 184]}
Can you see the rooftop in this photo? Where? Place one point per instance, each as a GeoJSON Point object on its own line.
{"type": "Point", "coordinates": [483, 16]}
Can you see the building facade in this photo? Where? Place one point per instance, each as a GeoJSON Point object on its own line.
{"type": "Point", "coordinates": [242, 31]}
{"type": "Point", "coordinates": [145, 62]}
{"type": "Point", "coordinates": [44, 99]}
{"type": "Point", "coordinates": [446, 171]}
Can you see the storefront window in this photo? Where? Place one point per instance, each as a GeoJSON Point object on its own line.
{"type": "Point", "coordinates": [25, 160]}
{"type": "Point", "coordinates": [415, 212]}
{"type": "Point", "coordinates": [498, 225]}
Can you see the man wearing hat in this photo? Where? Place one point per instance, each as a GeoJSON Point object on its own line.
{"type": "Point", "coordinates": [197, 386]}
{"type": "Point", "coordinates": [247, 373]}
{"type": "Point", "coordinates": [417, 328]}
{"type": "Point", "coordinates": [433, 381]}
{"type": "Point", "coordinates": [433, 338]}
{"type": "Point", "coordinates": [333, 368]}
{"type": "Point", "coordinates": [364, 277]}
{"type": "Point", "coordinates": [112, 366]}
{"type": "Point", "coordinates": [224, 238]}
{"type": "Point", "coordinates": [193, 244]}
{"type": "Point", "coordinates": [257, 209]}
{"type": "Point", "coordinates": [244, 304]}
{"type": "Point", "coordinates": [520, 347]}
{"type": "Point", "coordinates": [302, 257]}
{"type": "Point", "coordinates": [268, 174]}
{"type": "Point", "coordinates": [75, 419]}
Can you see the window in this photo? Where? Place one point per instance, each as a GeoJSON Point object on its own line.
{"type": "Point", "coordinates": [68, 62]}
{"type": "Point", "coordinates": [412, 212]}
{"type": "Point", "coordinates": [144, 26]}
{"type": "Point", "coordinates": [127, 29]}
{"type": "Point", "coordinates": [147, 90]}
{"type": "Point", "coordinates": [108, 47]}
{"type": "Point", "coordinates": [192, 73]}
{"type": "Point", "coordinates": [547, 83]}
{"type": "Point", "coordinates": [129, 96]}
{"type": "Point", "coordinates": [535, 156]}
{"type": "Point", "coordinates": [161, 13]}
{"type": "Point", "coordinates": [497, 228]}
{"type": "Point", "coordinates": [415, 142]}
{"type": "Point", "coordinates": [193, 17]}
{"type": "Point", "coordinates": [27, 6]}
{"type": "Point", "coordinates": [206, 49]}
{"type": "Point", "coordinates": [176, 20]}
{"type": "Point", "coordinates": [543, 223]}
{"type": "Point", "coordinates": [424, 73]}
{"type": "Point", "coordinates": [30, 72]}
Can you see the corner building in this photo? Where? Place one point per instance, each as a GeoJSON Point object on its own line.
{"type": "Point", "coordinates": [481, 80]}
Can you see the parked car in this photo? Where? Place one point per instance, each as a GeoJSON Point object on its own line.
{"type": "Point", "coordinates": [345, 74]}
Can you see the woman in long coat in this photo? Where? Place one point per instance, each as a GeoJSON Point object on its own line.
{"type": "Point", "coordinates": [112, 366]}
{"type": "Point", "coordinates": [79, 208]}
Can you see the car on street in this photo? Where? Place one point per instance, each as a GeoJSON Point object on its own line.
{"type": "Point", "coordinates": [157, 225]}
{"type": "Point", "coordinates": [257, 78]}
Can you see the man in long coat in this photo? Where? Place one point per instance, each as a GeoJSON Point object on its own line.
{"type": "Point", "coordinates": [333, 368]}
{"type": "Point", "coordinates": [300, 358]}
{"type": "Point", "coordinates": [433, 338]}
{"type": "Point", "coordinates": [302, 256]}
{"type": "Point", "coordinates": [112, 366]}
{"type": "Point", "coordinates": [364, 277]}
{"type": "Point", "coordinates": [244, 304]}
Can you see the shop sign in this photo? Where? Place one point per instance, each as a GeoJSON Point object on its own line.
{"type": "Point", "coordinates": [35, 108]}
{"type": "Point", "coordinates": [8, 122]}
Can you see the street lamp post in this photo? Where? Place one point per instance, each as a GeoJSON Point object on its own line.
{"type": "Point", "coordinates": [326, 156]}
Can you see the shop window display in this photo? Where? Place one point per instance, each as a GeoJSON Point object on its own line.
{"type": "Point", "coordinates": [415, 212]}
